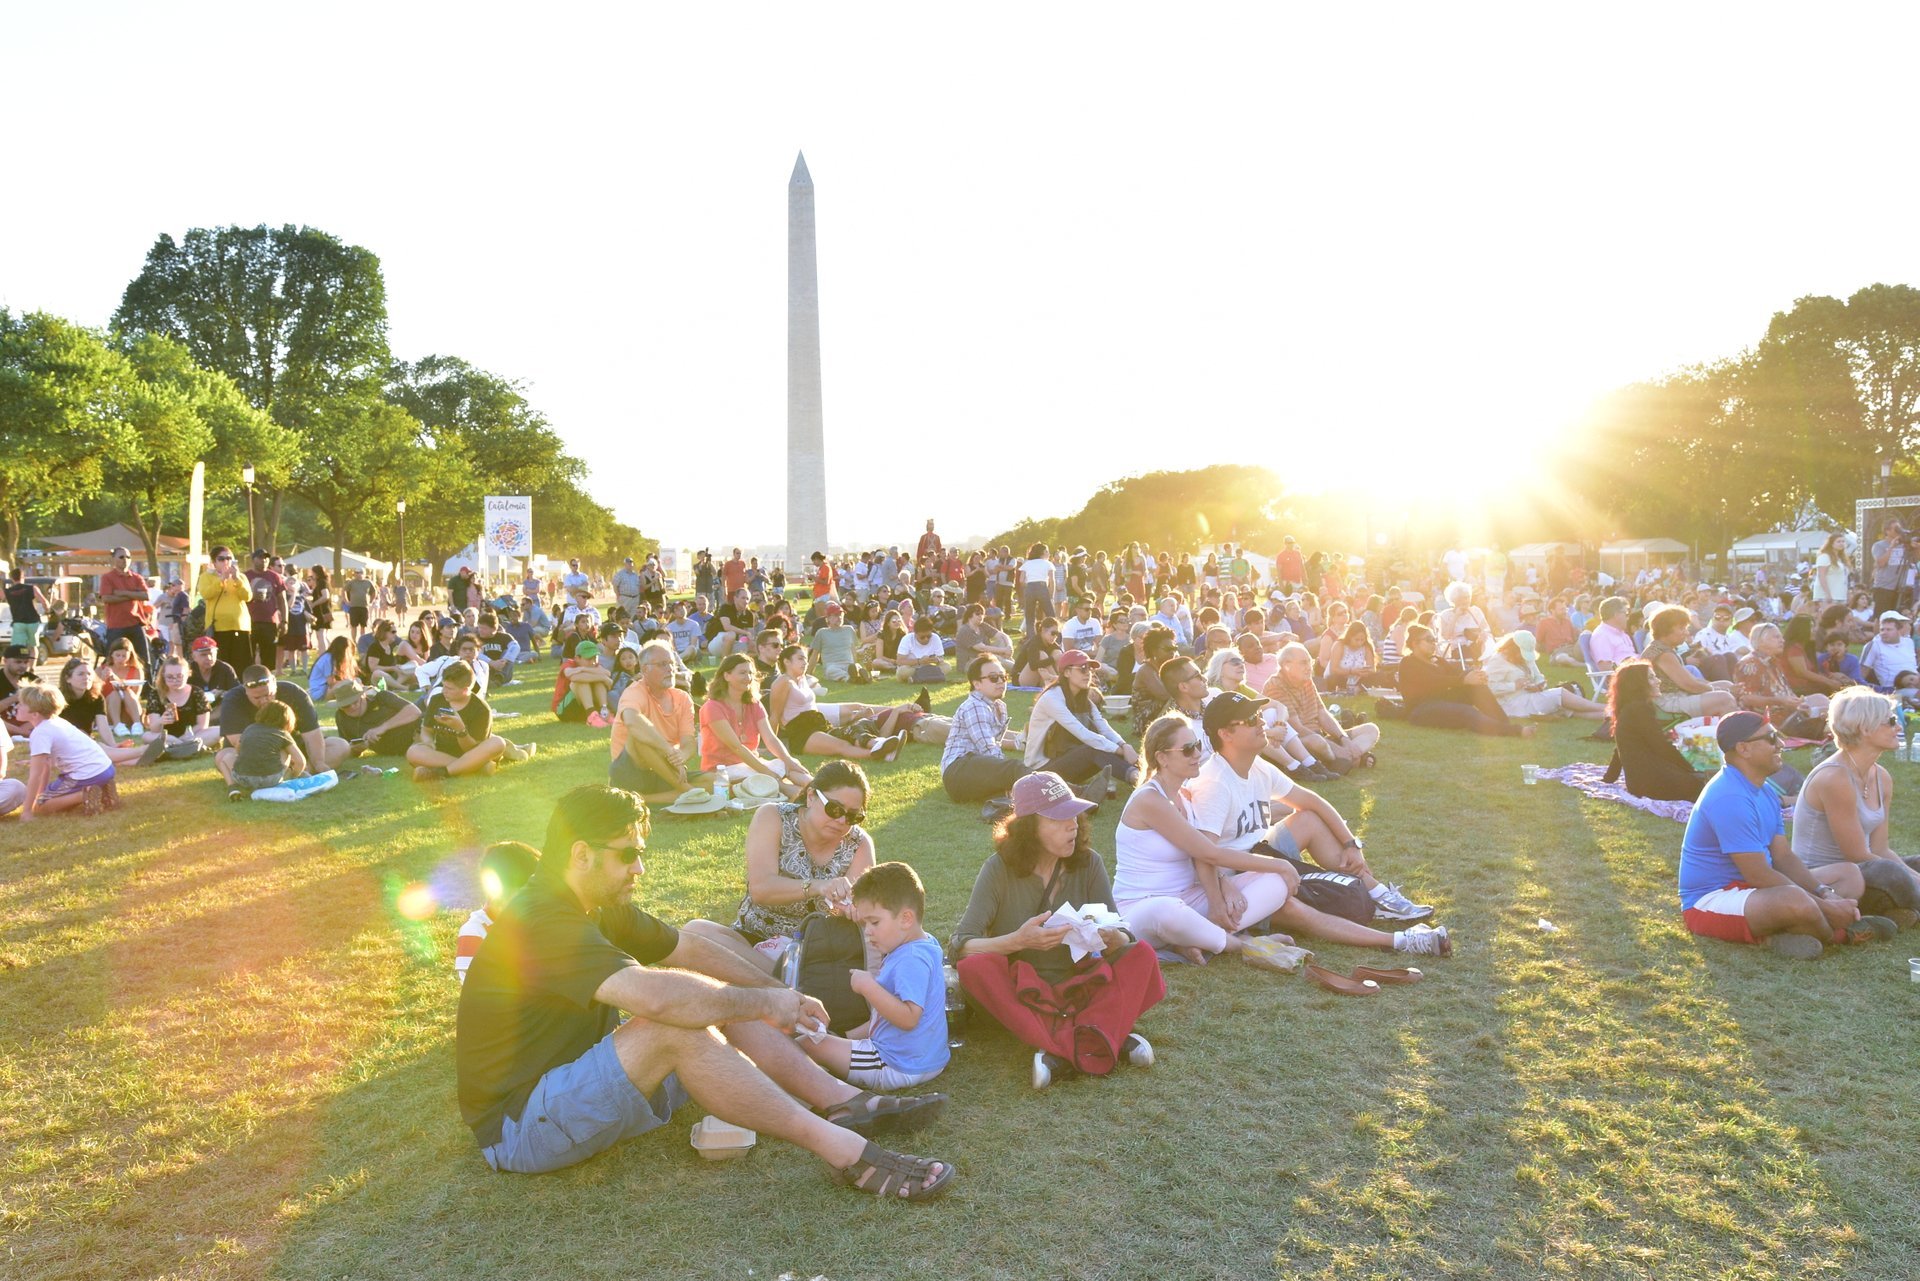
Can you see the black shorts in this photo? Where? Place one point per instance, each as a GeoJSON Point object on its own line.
{"type": "Point", "coordinates": [357, 615]}
{"type": "Point", "coordinates": [797, 731]}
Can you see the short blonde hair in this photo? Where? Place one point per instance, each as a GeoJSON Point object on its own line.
{"type": "Point", "coordinates": [42, 701]}
{"type": "Point", "coordinates": [1857, 711]}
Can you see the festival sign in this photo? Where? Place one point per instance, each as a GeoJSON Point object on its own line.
{"type": "Point", "coordinates": [509, 525]}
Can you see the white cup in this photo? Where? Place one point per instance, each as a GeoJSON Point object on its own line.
{"type": "Point", "coordinates": [1530, 774]}
{"type": "Point", "coordinates": [1913, 968]}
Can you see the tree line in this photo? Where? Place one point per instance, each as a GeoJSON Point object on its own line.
{"type": "Point", "coordinates": [1706, 454]}
{"type": "Point", "coordinates": [267, 347]}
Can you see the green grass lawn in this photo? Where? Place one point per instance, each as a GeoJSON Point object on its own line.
{"type": "Point", "coordinates": [225, 1053]}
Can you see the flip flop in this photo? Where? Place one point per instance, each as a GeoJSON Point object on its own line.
{"type": "Point", "coordinates": [1387, 976]}
{"type": "Point", "coordinates": [1340, 983]}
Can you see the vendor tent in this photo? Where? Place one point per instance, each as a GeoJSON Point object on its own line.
{"type": "Point", "coordinates": [1627, 554]}
{"type": "Point", "coordinates": [323, 556]}
{"type": "Point", "coordinates": [1785, 547]}
{"type": "Point", "coordinates": [487, 566]}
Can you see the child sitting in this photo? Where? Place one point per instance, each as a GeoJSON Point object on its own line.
{"type": "Point", "coordinates": [267, 756]}
{"type": "Point", "coordinates": [504, 868]}
{"type": "Point", "coordinates": [905, 1042]}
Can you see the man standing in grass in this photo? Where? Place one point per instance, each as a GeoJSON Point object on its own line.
{"type": "Point", "coordinates": [1739, 879]}
{"type": "Point", "coordinates": [548, 1074]}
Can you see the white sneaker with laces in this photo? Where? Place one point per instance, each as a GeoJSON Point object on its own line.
{"type": "Point", "coordinates": [1423, 940]}
{"type": "Point", "coordinates": [1389, 904]}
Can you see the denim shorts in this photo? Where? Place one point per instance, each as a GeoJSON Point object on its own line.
{"type": "Point", "coordinates": [579, 1110]}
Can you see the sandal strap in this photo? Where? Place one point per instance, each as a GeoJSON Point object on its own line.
{"type": "Point", "coordinates": [860, 1104]}
{"type": "Point", "coordinates": [896, 1170]}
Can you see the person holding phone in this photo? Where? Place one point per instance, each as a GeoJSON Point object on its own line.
{"type": "Point", "coordinates": [225, 592]}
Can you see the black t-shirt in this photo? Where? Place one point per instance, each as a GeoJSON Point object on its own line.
{"type": "Point", "coordinates": [177, 720]}
{"type": "Point", "coordinates": [9, 687]}
{"type": "Point", "coordinates": [81, 710]}
{"type": "Point", "coordinates": [744, 619]}
{"type": "Point", "coordinates": [382, 706]}
{"type": "Point", "coordinates": [494, 647]}
{"type": "Point", "coordinates": [219, 677]}
{"type": "Point", "coordinates": [574, 642]}
{"type": "Point", "coordinates": [20, 603]}
{"type": "Point", "coordinates": [476, 715]}
{"type": "Point", "coordinates": [527, 1006]}
{"type": "Point", "coordinates": [459, 589]}
{"type": "Point", "coordinates": [237, 710]}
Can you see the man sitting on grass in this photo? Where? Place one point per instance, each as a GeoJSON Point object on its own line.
{"type": "Point", "coordinates": [377, 722]}
{"type": "Point", "coordinates": [456, 731]}
{"type": "Point", "coordinates": [549, 1075]}
{"type": "Point", "coordinates": [240, 705]}
{"type": "Point", "coordinates": [1739, 879]}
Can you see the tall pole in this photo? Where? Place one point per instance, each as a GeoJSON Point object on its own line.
{"type": "Point", "coordinates": [253, 535]}
{"type": "Point", "coordinates": [806, 437]}
{"type": "Point", "coordinates": [400, 510]}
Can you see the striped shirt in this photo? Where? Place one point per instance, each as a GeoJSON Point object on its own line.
{"type": "Point", "coordinates": [467, 942]}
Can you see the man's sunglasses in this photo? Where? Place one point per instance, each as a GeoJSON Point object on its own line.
{"type": "Point", "coordinates": [629, 856]}
{"type": "Point", "coordinates": [1772, 736]}
{"type": "Point", "coordinates": [993, 676]}
{"type": "Point", "coordinates": [836, 810]}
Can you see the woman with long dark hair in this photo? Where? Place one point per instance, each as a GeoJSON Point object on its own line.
{"type": "Point", "coordinates": [1077, 1016]}
{"type": "Point", "coordinates": [1066, 732]}
{"type": "Point", "coordinates": [1642, 752]}
{"type": "Point", "coordinates": [734, 730]}
{"type": "Point", "coordinates": [337, 664]}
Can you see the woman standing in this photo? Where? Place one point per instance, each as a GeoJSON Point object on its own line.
{"type": "Point", "coordinates": [1642, 751]}
{"type": "Point", "coordinates": [224, 590]}
{"type": "Point", "coordinates": [322, 607]}
{"type": "Point", "coordinates": [1036, 587]}
{"type": "Point", "coordinates": [1077, 1016]}
{"type": "Point", "coordinates": [1830, 571]}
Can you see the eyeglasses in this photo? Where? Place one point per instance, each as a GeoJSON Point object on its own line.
{"type": "Point", "coordinates": [218, 559]}
{"type": "Point", "coordinates": [836, 810]}
{"type": "Point", "coordinates": [1772, 736]}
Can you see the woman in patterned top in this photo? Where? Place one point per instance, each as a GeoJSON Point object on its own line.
{"type": "Point", "coordinates": [802, 857]}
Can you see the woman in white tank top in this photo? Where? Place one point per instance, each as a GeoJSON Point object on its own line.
{"type": "Point", "coordinates": [1174, 887]}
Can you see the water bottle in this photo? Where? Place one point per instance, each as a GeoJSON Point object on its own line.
{"type": "Point", "coordinates": [1906, 734]}
{"type": "Point", "coordinates": [956, 1009]}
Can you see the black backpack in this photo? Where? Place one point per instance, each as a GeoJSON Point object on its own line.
{"type": "Point", "coordinates": [829, 947]}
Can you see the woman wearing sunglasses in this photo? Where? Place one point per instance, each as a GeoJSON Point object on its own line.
{"type": "Point", "coordinates": [802, 856]}
{"type": "Point", "coordinates": [1842, 817]}
{"type": "Point", "coordinates": [224, 590]}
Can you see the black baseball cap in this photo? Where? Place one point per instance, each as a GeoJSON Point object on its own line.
{"type": "Point", "coordinates": [18, 651]}
{"type": "Point", "coordinates": [1229, 707]}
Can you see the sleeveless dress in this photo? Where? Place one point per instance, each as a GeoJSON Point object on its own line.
{"type": "Point", "coordinates": [756, 922]}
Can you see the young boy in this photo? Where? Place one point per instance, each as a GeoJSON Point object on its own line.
{"type": "Point", "coordinates": [504, 868]}
{"type": "Point", "coordinates": [905, 1042]}
{"type": "Point", "coordinates": [267, 755]}
{"type": "Point", "coordinates": [456, 731]}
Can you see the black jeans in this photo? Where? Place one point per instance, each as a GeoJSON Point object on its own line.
{"type": "Point", "coordinates": [1079, 763]}
{"type": "Point", "coordinates": [1439, 715]}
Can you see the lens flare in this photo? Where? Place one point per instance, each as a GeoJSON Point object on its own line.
{"type": "Point", "coordinates": [415, 902]}
{"type": "Point", "coordinates": [490, 884]}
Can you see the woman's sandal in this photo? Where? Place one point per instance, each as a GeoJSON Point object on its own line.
{"type": "Point", "coordinates": [870, 1113]}
{"type": "Point", "coordinates": [885, 1174]}
{"type": "Point", "coordinates": [1339, 982]}
{"type": "Point", "coordinates": [1387, 976]}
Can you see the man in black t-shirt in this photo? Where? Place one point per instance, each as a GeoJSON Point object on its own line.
{"type": "Point", "coordinates": [378, 722]}
{"type": "Point", "coordinates": [206, 671]}
{"type": "Point", "coordinates": [549, 1075]}
{"type": "Point", "coordinates": [733, 626]}
{"type": "Point", "coordinates": [257, 688]}
{"type": "Point", "coordinates": [16, 672]}
{"type": "Point", "coordinates": [456, 731]}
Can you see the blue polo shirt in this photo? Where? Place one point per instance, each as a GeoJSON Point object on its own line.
{"type": "Point", "coordinates": [1732, 816]}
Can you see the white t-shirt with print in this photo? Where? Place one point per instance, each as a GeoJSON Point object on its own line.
{"type": "Point", "coordinates": [1240, 809]}
{"type": "Point", "coordinates": [75, 755]}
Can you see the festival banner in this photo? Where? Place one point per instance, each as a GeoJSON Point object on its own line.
{"type": "Point", "coordinates": [509, 525]}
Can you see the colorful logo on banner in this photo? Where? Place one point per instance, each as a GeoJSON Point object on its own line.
{"type": "Point", "coordinates": [509, 525]}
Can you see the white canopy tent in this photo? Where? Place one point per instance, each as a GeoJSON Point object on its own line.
{"type": "Point", "coordinates": [323, 556]}
{"type": "Point", "coordinates": [489, 566]}
{"type": "Point", "coordinates": [1626, 553]}
{"type": "Point", "coordinates": [1785, 546]}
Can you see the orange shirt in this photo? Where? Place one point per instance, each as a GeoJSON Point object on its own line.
{"type": "Point", "coordinates": [672, 714]}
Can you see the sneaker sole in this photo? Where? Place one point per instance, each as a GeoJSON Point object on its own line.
{"type": "Point", "coordinates": [1418, 918]}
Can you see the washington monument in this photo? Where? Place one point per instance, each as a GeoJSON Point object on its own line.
{"type": "Point", "coordinates": [806, 443]}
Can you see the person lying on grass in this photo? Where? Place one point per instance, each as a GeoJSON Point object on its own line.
{"type": "Point", "coordinates": [802, 857]}
{"type": "Point", "coordinates": [64, 762]}
{"type": "Point", "coordinates": [1241, 801]}
{"type": "Point", "coordinates": [549, 1076]}
{"type": "Point", "coordinates": [905, 1042]}
{"type": "Point", "coordinates": [1184, 888]}
{"type": "Point", "coordinates": [1739, 879]}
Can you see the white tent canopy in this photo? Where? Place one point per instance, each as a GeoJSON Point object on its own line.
{"type": "Point", "coordinates": [1543, 551]}
{"type": "Point", "coordinates": [1782, 545]}
{"type": "Point", "coordinates": [468, 558]}
{"type": "Point", "coordinates": [323, 556]}
{"type": "Point", "coordinates": [1644, 547]}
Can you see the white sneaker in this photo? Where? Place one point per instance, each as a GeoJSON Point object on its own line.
{"type": "Point", "coordinates": [1423, 940]}
{"type": "Point", "coordinates": [1389, 904]}
{"type": "Point", "coordinates": [1138, 1049]}
{"type": "Point", "coordinates": [1044, 1066]}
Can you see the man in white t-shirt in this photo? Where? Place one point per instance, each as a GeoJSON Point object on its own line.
{"type": "Point", "coordinates": [921, 658]}
{"type": "Point", "coordinates": [1083, 630]}
{"type": "Point", "coordinates": [1242, 800]}
{"type": "Point", "coordinates": [1718, 645]}
{"type": "Point", "coordinates": [1889, 653]}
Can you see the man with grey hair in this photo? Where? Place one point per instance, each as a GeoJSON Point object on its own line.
{"type": "Point", "coordinates": [1333, 745]}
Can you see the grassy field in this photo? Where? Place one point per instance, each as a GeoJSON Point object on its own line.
{"type": "Point", "coordinates": [225, 1053]}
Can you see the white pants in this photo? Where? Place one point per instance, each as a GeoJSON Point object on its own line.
{"type": "Point", "coordinates": [1166, 921]}
{"type": "Point", "coordinates": [13, 793]}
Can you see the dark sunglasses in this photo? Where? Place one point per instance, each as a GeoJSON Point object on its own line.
{"type": "Point", "coordinates": [629, 856]}
{"type": "Point", "coordinates": [836, 810]}
{"type": "Point", "coordinates": [1252, 722]}
{"type": "Point", "coordinates": [993, 676]}
{"type": "Point", "coordinates": [217, 559]}
{"type": "Point", "coordinates": [1189, 748]}
{"type": "Point", "coordinates": [1771, 736]}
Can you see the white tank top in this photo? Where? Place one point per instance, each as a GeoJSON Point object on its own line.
{"type": "Point", "coordinates": [1147, 864]}
{"type": "Point", "coordinates": [799, 699]}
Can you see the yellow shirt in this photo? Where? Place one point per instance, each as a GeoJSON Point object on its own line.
{"type": "Point", "coordinates": [226, 600]}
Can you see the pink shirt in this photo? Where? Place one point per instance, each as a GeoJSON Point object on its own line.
{"type": "Point", "coordinates": [1611, 646]}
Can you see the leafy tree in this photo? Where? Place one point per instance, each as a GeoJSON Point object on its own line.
{"type": "Point", "coordinates": [296, 318]}
{"type": "Point", "coordinates": [62, 417]}
{"type": "Point", "coordinates": [1227, 503]}
{"type": "Point", "coordinates": [358, 458]}
{"type": "Point", "coordinates": [183, 414]}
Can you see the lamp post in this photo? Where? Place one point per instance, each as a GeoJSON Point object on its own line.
{"type": "Point", "coordinates": [1886, 478]}
{"type": "Point", "coordinates": [400, 510]}
{"type": "Point", "coordinates": [253, 537]}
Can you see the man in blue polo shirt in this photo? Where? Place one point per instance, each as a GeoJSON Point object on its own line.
{"type": "Point", "coordinates": [1739, 879]}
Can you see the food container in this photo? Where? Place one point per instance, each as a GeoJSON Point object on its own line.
{"type": "Point", "coordinates": [716, 1140]}
{"type": "Point", "coordinates": [1913, 968]}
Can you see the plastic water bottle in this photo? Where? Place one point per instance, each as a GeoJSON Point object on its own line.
{"type": "Point", "coordinates": [956, 1009]}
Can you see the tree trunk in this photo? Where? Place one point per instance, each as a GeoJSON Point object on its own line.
{"type": "Point", "coordinates": [272, 542]}
{"type": "Point", "coordinates": [150, 540]}
{"type": "Point", "coordinates": [10, 535]}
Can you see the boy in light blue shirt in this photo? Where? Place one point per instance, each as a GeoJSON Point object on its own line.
{"type": "Point", "coordinates": [905, 1042]}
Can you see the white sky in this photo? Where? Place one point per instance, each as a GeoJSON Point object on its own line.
{"type": "Point", "coordinates": [1166, 235]}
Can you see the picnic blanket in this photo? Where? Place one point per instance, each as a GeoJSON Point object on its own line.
{"type": "Point", "coordinates": [1585, 777]}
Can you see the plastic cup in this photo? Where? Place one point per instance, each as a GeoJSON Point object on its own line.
{"type": "Point", "coordinates": [1913, 968]}
{"type": "Point", "coordinates": [1530, 774]}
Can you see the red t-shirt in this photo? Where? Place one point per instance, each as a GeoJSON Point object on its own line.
{"type": "Point", "coordinates": [823, 580]}
{"type": "Point", "coordinates": [123, 613]}
{"type": "Point", "coordinates": [734, 575]}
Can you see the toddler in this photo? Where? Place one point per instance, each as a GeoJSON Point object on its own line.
{"type": "Point", "coordinates": [268, 756]}
{"type": "Point", "coordinates": [504, 868]}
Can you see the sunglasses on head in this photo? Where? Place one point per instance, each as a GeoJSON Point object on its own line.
{"type": "Point", "coordinates": [836, 810]}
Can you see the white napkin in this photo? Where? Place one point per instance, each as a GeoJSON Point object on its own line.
{"type": "Point", "coordinates": [1084, 925]}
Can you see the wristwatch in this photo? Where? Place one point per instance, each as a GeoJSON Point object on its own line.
{"type": "Point", "coordinates": [1353, 844]}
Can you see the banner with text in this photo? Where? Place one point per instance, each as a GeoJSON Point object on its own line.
{"type": "Point", "coordinates": [509, 525]}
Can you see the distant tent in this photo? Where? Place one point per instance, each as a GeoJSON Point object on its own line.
{"type": "Point", "coordinates": [1787, 545]}
{"type": "Point", "coordinates": [110, 536]}
{"type": "Point", "coordinates": [323, 556]}
{"type": "Point", "coordinates": [1626, 553]}
{"type": "Point", "coordinates": [467, 558]}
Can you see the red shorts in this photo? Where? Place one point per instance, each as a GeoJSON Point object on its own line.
{"type": "Point", "coordinates": [1721, 914]}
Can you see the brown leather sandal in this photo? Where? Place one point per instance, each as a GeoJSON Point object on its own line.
{"type": "Point", "coordinates": [1339, 982]}
{"type": "Point", "coordinates": [870, 1113]}
{"type": "Point", "coordinates": [885, 1173]}
{"type": "Point", "coordinates": [1387, 976]}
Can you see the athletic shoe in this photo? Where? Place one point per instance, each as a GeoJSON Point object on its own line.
{"type": "Point", "coordinates": [1423, 940]}
{"type": "Point", "coordinates": [1138, 1049]}
{"type": "Point", "coordinates": [996, 809]}
{"type": "Point", "coordinates": [236, 794]}
{"type": "Point", "coordinates": [1095, 789]}
{"type": "Point", "coordinates": [597, 719]}
{"type": "Point", "coordinates": [924, 699]}
{"type": "Point", "coordinates": [514, 753]}
{"type": "Point", "coordinates": [1870, 929]}
{"type": "Point", "coordinates": [154, 750]}
{"type": "Point", "coordinates": [1796, 947]}
{"type": "Point", "coordinates": [1391, 905]}
{"type": "Point", "coordinates": [1904, 918]}
{"type": "Point", "coordinates": [1046, 1067]}
{"type": "Point", "coordinates": [511, 684]}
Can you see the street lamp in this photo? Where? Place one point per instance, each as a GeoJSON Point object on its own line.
{"type": "Point", "coordinates": [400, 510]}
{"type": "Point", "coordinates": [246, 476]}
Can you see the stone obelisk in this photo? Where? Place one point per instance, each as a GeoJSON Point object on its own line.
{"type": "Point", "coordinates": [806, 442]}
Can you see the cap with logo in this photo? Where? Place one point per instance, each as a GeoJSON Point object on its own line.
{"type": "Point", "coordinates": [1046, 794]}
